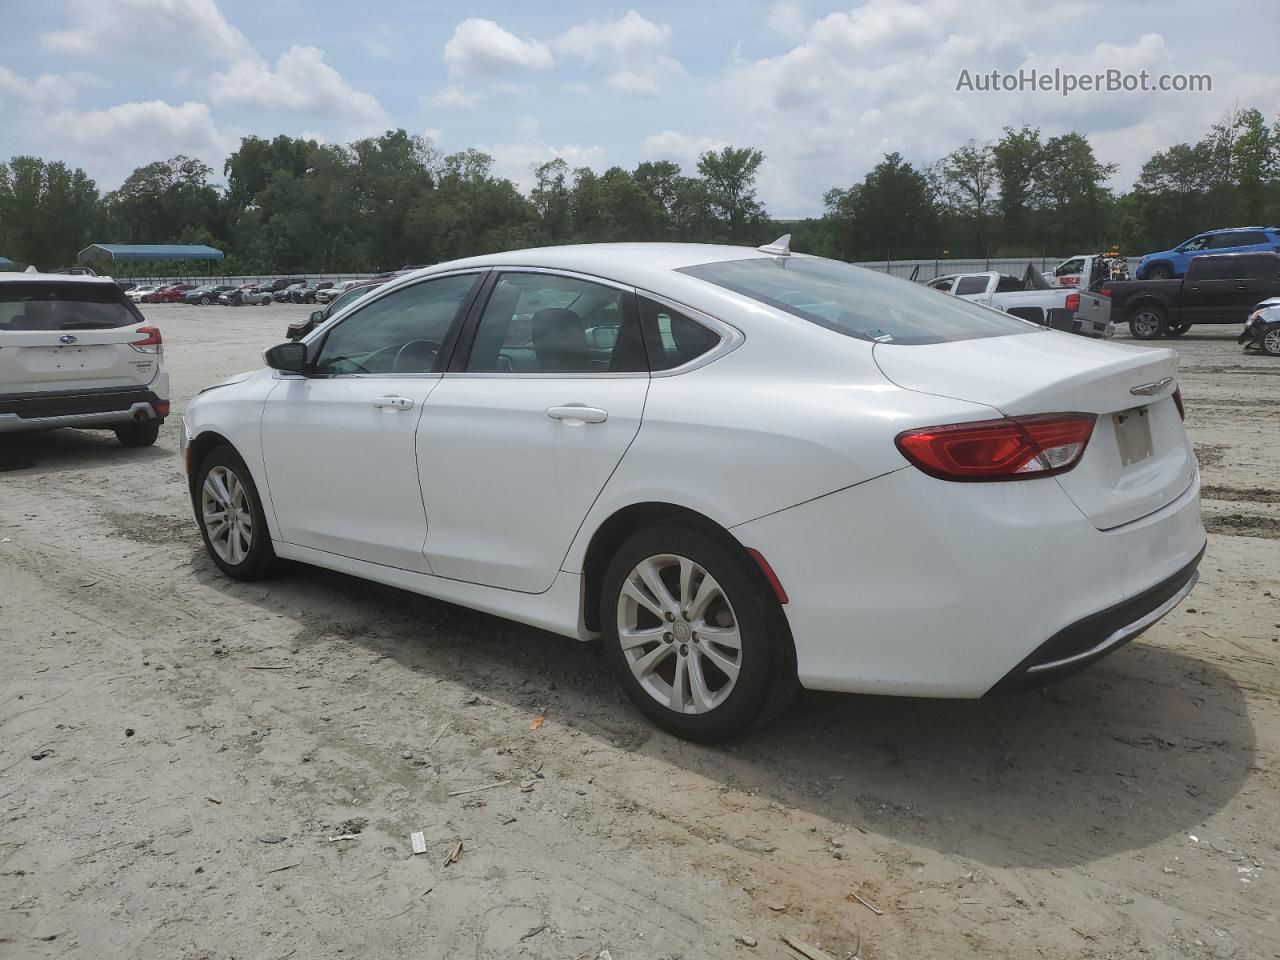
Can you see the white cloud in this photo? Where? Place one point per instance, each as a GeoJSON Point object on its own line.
{"type": "Point", "coordinates": [140, 131]}
{"type": "Point", "coordinates": [683, 148]}
{"type": "Point", "coordinates": [301, 82]}
{"type": "Point", "coordinates": [46, 89]}
{"type": "Point", "coordinates": [379, 42]}
{"type": "Point", "coordinates": [175, 28]}
{"type": "Point", "coordinates": [481, 48]}
{"type": "Point", "coordinates": [513, 160]}
{"type": "Point", "coordinates": [787, 19]}
{"type": "Point", "coordinates": [634, 47]}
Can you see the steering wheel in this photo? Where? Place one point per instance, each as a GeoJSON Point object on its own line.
{"type": "Point", "coordinates": [409, 347]}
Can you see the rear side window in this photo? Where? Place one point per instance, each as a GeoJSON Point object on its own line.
{"type": "Point", "coordinates": [672, 338]}
{"type": "Point", "coordinates": [1250, 239]}
{"type": "Point", "coordinates": [1216, 268]}
{"type": "Point", "coordinates": [968, 286]}
{"type": "Point", "coordinates": [1221, 240]}
{"type": "Point", "coordinates": [1259, 267]}
{"type": "Point", "coordinates": [48, 305]}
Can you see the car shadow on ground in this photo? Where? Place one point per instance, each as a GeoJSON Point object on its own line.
{"type": "Point", "coordinates": [1146, 744]}
{"type": "Point", "coordinates": [53, 451]}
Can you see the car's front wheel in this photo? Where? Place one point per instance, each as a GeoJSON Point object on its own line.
{"type": "Point", "coordinates": [1159, 271]}
{"type": "Point", "coordinates": [694, 635]}
{"type": "Point", "coordinates": [232, 523]}
{"type": "Point", "coordinates": [1270, 340]}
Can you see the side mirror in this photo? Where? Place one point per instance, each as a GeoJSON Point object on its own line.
{"type": "Point", "coordinates": [316, 317]}
{"type": "Point", "coordinates": [287, 357]}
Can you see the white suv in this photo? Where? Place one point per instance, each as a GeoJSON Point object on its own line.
{"type": "Point", "coordinates": [74, 352]}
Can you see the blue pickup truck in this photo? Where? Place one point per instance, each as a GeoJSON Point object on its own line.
{"type": "Point", "coordinates": [1168, 264]}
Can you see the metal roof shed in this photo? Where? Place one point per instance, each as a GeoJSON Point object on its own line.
{"type": "Point", "coordinates": [147, 251]}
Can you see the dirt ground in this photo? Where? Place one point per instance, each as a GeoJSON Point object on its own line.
{"type": "Point", "coordinates": [196, 768]}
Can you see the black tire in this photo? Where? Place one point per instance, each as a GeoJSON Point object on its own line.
{"type": "Point", "coordinates": [1159, 271]}
{"type": "Point", "coordinates": [1270, 340]}
{"type": "Point", "coordinates": [260, 559]}
{"type": "Point", "coordinates": [1176, 329]}
{"type": "Point", "coordinates": [204, 301]}
{"type": "Point", "coordinates": [142, 434]}
{"type": "Point", "coordinates": [1148, 322]}
{"type": "Point", "coordinates": [766, 680]}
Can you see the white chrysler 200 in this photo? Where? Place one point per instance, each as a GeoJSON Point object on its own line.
{"type": "Point", "coordinates": [744, 470]}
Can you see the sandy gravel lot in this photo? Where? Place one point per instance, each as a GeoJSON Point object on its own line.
{"type": "Point", "coordinates": [200, 769]}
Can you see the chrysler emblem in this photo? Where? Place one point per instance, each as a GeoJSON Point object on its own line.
{"type": "Point", "coordinates": [1150, 389]}
{"type": "Point", "coordinates": [68, 338]}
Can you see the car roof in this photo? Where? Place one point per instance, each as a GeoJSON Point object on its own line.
{"type": "Point", "coordinates": [1238, 253]}
{"type": "Point", "coordinates": [1205, 233]}
{"type": "Point", "coordinates": [15, 276]}
{"type": "Point", "coordinates": [638, 264]}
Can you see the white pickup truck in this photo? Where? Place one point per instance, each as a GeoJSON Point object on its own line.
{"type": "Point", "coordinates": [1088, 271]}
{"type": "Point", "coordinates": [1031, 298]}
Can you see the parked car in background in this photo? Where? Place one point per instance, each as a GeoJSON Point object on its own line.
{"type": "Point", "coordinates": [173, 293]}
{"type": "Point", "coordinates": [1169, 264]}
{"type": "Point", "coordinates": [205, 295]}
{"type": "Point", "coordinates": [247, 295]}
{"type": "Point", "coordinates": [271, 286]}
{"type": "Point", "coordinates": [1031, 298]}
{"type": "Point", "coordinates": [137, 294]}
{"type": "Point", "coordinates": [300, 328]}
{"type": "Point", "coordinates": [327, 294]}
{"type": "Point", "coordinates": [1218, 288]}
{"type": "Point", "coordinates": [944, 500]}
{"type": "Point", "coordinates": [285, 294]}
{"type": "Point", "coordinates": [1262, 328]}
{"type": "Point", "coordinates": [306, 293]}
{"type": "Point", "coordinates": [75, 352]}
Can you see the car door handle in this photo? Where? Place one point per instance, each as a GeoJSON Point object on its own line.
{"type": "Point", "coordinates": [577, 412]}
{"type": "Point", "coordinates": [392, 403]}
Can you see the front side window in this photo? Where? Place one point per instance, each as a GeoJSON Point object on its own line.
{"type": "Point", "coordinates": [672, 338]}
{"type": "Point", "coordinates": [399, 333]}
{"type": "Point", "coordinates": [1194, 244]}
{"type": "Point", "coordinates": [857, 302]}
{"type": "Point", "coordinates": [1070, 267]}
{"type": "Point", "coordinates": [545, 323]}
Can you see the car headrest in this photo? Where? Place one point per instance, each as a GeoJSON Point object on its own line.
{"type": "Point", "coordinates": [560, 340]}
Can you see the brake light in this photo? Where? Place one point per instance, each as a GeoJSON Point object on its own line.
{"type": "Point", "coordinates": [161, 408]}
{"type": "Point", "coordinates": [1073, 302]}
{"type": "Point", "coordinates": [1014, 448]}
{"type": "Point", "coordinates": [1106, 292]}
{"type": "Point", "coordinates": [151, 343]}
{"type": "Point", "coordinates": [1177, 402]}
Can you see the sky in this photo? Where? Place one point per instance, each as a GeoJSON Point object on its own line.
{"type": "Point", "coordinates": [824, 90]}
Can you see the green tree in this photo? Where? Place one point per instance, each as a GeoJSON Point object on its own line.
{"type": "Point", "coordinates": [890, 215]}
{"type": "Point", "coordinates": [730, 176]}
{"type": "Point", "coordinates": [48, 211]}
{"type": "Point", "coordinates": [1017, 155]}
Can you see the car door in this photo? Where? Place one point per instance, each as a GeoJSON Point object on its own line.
{"type": "Point", "coordinates": [1255, 279]}
{"type": "Point", "coordinates": [540, 403]}
{"type": "Point", "coordinates": [1208, 289]}
{"type": "Point", "coordinates": [339, 443]}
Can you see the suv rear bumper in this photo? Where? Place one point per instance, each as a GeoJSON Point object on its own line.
{"type": "Point", "coordinates": [80, 408]}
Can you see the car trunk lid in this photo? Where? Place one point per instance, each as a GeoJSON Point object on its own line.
{"type": "Point", "coordinates": [1138, 458]}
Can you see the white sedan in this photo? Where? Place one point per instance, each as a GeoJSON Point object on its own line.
{"type": "Point", "coordinates": [743, 470]}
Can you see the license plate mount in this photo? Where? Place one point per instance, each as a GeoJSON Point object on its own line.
{"type": "Point", "coordinates": [1133, 435]}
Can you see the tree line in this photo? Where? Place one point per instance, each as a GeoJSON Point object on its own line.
{"type": "Point", "coordinates": [295, 205]}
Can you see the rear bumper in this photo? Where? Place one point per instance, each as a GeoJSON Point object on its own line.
{"type": "Point", "coordinates": [84, 408]}
{"type": "Point", "coordinates": [1086, 641]}
{"type": "Point", "coordinates": [911, 586]}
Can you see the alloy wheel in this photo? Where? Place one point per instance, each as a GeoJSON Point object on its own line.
{"type": "Point", "coordinates": [228, 515]}
{"type": "Point", "coordinates": [679, 634]}
{"type": "Point", "coordinates": [1146, 324]}
{"type": "Point", "coordinates": [1271, 341]}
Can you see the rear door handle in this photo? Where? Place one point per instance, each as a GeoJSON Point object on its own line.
{"type": "Point", "coordinates": [576, 412]}
{"type": "Point", "coordinates": [392, 403]}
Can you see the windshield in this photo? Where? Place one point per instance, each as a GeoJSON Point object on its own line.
{"type": "Point", "coordinates": [64, 306]}
{"type": "Point", "coordinates": [858, 302]}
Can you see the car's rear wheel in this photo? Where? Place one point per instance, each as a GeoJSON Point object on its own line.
{"type": "Point", "coordinates": [142, 434]}
{"type": "Point", "coordinates": [1147, 323]}
{"type": "Point", "coordinates": [1271, 340]}
{"type": "Point", "coordinates": [694, 635]}
{"type": "Point", "coordinates": [231, 519]}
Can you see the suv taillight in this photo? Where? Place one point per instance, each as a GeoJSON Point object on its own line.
{"type": "Point", "coordinates": [152, 343]}
{"type": "Point", "coordinates": [1073, 302]}
{"type": "Point", "coordinates": [1014, 448]}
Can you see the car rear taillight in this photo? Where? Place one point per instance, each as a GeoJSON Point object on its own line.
{"type": "Point", "coordinates": [1177, 402]}
{"type": "Point", "coordinates": [1106, 292]}
{"type": "Point", "coordinates": [1013, 448]}
{"type": "Point", "coordinates": [1073, 302]}
{"type": "Point", "coordinates": [152, 343]}
{"type": "Point", "coordinates": [161, 408]}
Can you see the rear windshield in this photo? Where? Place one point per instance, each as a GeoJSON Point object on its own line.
{"type": "Point", "coordinates": [64, 306]}
{"type": "Point", "coordinates": [858, 302]}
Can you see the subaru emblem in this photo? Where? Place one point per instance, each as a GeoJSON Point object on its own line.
{"type": "Point", "coordinates": [68, 338]}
